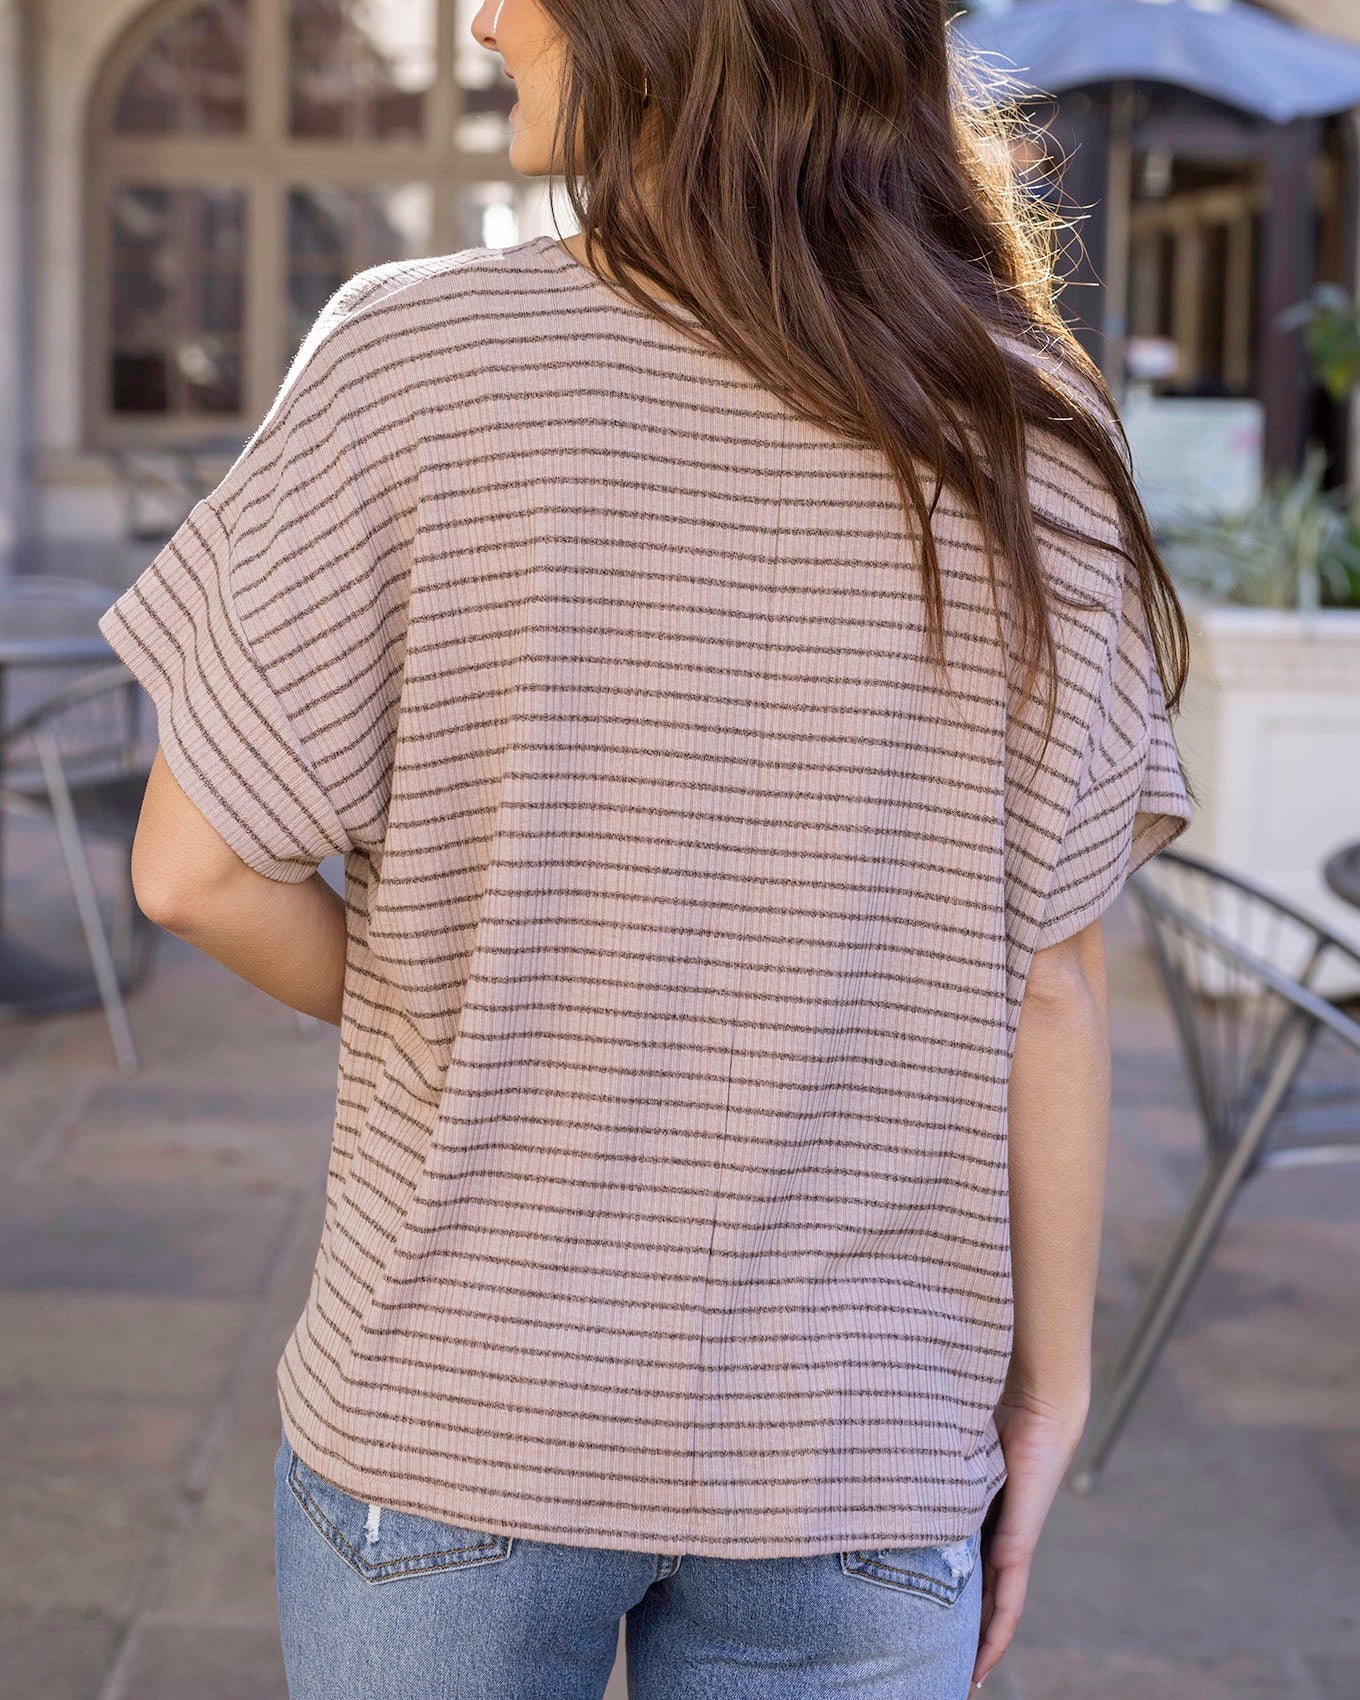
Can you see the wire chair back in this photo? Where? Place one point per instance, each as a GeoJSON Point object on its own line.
{"type": "Point", "coordinates": [1240, 969]}
{"type": "Point", "coordinates": [1238, 965]}
{"type": "Point", "coordinates": [92, 725]}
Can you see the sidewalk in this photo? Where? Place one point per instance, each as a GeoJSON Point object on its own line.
{"type": "Point", "coordinates": [156, 1242]}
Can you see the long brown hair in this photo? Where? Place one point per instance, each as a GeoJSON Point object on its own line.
{"type": "Point", "coordinates": [832, 197]}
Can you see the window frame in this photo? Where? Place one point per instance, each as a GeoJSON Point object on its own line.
{"type": "Point", "coordinates": [265, 162]}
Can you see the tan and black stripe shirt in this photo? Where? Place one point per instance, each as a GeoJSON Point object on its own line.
{"type": "Point", "coordinates": [688, 917]}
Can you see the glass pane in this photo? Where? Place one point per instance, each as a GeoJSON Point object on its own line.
{"type": "Point", "coordinates": [360, 68]}
{"type": "Point", "coordinates": [223, 304]}
{"type": "Point", "coordinates": [140, 383]}
{"type": "Point", "coordinates": [496, 215]}
{"type": "Point", "coordinates": [191, 77]}
{"type": "Point", "coordinates": [212, 376]}
{"type": "Point", "coordinates": [486, 94]}
{"type": "Point", "coordinates": [334, 231]}
{"type": "Point", "coordinates": [319, 224]}
{"type": "Point", "coordinates": [177, 299]}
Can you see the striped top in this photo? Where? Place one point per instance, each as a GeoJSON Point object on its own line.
{"type": "Point", "coordinates": [688, 919]}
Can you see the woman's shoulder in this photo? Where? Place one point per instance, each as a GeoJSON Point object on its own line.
{"type": "Point", "coordinates": [371, 314]}
{"type": "Point", "coordinates": [1064, 365]}
{"type": "Point", "coordinates": [352, 373]}
{"type": "Point", "coordinates": [478, 276]}
{"type": "Point", "coordinates": [1066, 485]}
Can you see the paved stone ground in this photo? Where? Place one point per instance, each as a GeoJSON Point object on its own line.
{"type": "Point", "coordinates": [157, 1235]}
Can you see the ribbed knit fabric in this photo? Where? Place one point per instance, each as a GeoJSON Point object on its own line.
{"type": "Point", "coordinates": [689, 916]}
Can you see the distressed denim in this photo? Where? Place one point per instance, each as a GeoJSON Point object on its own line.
{"type": "Point", "coordinates": [376, 1604]}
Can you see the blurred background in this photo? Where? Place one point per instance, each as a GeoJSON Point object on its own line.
{"type": "Point", "coordinates": [182, 186]}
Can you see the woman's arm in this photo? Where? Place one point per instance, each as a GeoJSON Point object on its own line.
{"type": "Point", "coordinates": [1059, 1113]}
{"type": "Point", "coordinates": [287, 939]}
{"type": "Point", "coordinates": [1059, 1117]}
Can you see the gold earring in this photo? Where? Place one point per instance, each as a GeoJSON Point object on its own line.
{"type": "Point", "coordinates": [646, 90]}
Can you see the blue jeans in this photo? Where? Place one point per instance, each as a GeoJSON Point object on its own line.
{"type": "Point", "coordinates": [384, 1605]}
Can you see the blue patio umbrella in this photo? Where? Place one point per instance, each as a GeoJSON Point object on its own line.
{"type": "Point", "coordinates": [1226, 49]}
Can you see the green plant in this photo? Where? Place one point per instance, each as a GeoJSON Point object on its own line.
{"type": "Point", "coordinates": [1331, 332]}
{"type": "Point", "coordinates": [1294, 547]}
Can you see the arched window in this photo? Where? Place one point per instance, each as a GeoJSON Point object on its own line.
{"type": "Point", "coordinates": [246, 157]}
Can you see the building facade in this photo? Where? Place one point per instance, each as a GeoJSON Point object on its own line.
{"type": "Point", "coordinates": [182, 185]}
{"type": "Point", "coordinates": [183, 182]}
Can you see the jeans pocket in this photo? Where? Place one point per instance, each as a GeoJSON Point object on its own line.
{"type": "Point", "coordinates": [938, 1573]}
{"type": "Point", "coordinates": [384, 1545]}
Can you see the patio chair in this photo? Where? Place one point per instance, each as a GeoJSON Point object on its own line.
{"type": "Point", "coordinates": [1274, 1069]}
{"type": "Point", "coordinates": [97, 786]}
{"type": "Point", "coordinates": [87, 778]}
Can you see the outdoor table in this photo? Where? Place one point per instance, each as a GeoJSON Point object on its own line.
{"type": "Point", "coordinates": [37, 631]}
{"type": "Point", "coordinates": [1341, 871]}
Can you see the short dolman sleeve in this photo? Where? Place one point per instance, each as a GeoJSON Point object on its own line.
{"type": "Point", "coordinates": [267, 630]}
{"type": "Point", "coordinates": [1130, 800]}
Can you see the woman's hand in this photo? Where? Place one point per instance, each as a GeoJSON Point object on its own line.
{"type": "Point", "coordinates": [1038, 1441]}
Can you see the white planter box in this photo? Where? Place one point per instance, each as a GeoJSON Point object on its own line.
{"type": "Point", "coordinates": [1270, 736]}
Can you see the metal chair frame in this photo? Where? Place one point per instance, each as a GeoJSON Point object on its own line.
{"type": "Point", "coordinates": [58, 801]}
{"type": "Point", "coordinates": [1242, 1128]}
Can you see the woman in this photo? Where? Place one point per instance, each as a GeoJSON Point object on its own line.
{"type": "Point", "coordinates": [734, 665]}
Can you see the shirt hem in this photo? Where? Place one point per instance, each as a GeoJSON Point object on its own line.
{"type": "Point", "coordinates": [486, 1513]}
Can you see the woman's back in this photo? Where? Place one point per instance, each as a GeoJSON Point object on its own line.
{"type": "Point", "coordinates": [689, 912]}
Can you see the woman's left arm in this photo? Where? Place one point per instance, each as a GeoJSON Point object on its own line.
{"type": "Point", "coordinates": [287, 938]}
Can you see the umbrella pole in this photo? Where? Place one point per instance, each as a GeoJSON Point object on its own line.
{"type": "Point", "coordinates": [1118, 210]}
